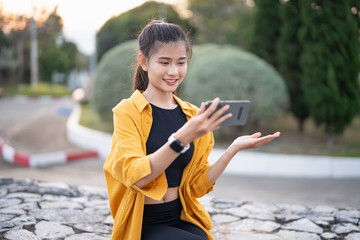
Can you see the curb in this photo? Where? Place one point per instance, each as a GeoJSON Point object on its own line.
{"type": "Point", "coordinates": [41, 160]}
{"type": "Point", "coordinates": [86, 137]}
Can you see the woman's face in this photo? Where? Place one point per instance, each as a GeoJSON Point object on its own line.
{"type": "Point", "coordinates": [166, 67]}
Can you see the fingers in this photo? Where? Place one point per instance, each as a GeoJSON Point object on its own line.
{"type": "Point", "coordinates": [215, 117]}
{"type": "Point", "coordinates": [222, 119]}
{"type": "Point", "coordinates": [218, 114]}
{"type": "Point", "coordinates": [212, 107]}
{"type": "Point", "coordinates": [201, 109]}
{"type": "Point", "coordinates": [267, 139]}
{"type": "Point", "coordinates": [256, 135]}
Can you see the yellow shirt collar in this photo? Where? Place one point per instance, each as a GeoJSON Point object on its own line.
{"type": "Point", "coordinates": [140, 102]}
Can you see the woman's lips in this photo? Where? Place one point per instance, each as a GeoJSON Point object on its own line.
{"type": "Point", "coordinates": [170, 81]}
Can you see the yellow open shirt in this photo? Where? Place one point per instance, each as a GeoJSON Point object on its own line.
{"type": "Point", "coordinates": [127, 163]}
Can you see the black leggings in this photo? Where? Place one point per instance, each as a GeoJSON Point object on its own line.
{"type": "Point", "coordinates": [162, 222]}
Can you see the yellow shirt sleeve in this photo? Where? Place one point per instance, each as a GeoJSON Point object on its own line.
{"type": "Point", "coordinates": [200, 183]}
{"type": "Point", "coordinates": [129, 162]}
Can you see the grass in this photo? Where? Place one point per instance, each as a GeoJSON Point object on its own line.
{"type": "Point", "coordinates": [311, 142]}
{"type": "Point", "coordinates": [90, 118]}
{"type": "Point", "coordinates": [42, 89]}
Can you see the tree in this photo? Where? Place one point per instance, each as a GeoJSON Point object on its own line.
{"type": "Point", "coordinates": [58, 55]}
{"type": "Point", "coordinates": [288, 58]}
{"type": "Point", "coordinates": [330, 63]}
{"type": "Point", "coordinates": [222, 22]}
{"type": "Point", "coordinates": [12, 33]}
{"type": "Point", "coordinates": [266, 30]}
{"type": "Point", "coordinates": [127, 25]}
{"type": "Point", "coordinates": [58, 58]}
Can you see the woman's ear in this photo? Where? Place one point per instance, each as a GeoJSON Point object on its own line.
{"type": "Point", "coordinates": [142, 61]}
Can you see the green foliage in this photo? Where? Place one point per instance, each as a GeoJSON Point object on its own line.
{"type": "Point", "coordinates": [58, 54]}
{"type": "Point", "coordinates": [266, 30]}
{"type": "Point", "coordinates": [41, 90]}
{"type": "Point", "coordinates": [330, 62]}
{"type": "Point", "coordinates": [126, 26]}
{"type": "Point", "coordinates": [91, 119]}
{"type": "Point", "coordinates": [113, 79]}
{"type": "Point", "coordinates": [288, 57]}
{"type": "Point", "coordinates": [233, 74]}
{"type": "Point", "coordinates": [224, 22]}
{"type": "Point", "coordinates": [82, 61]}
{"type": "Point", "coordinates": [58, 58]}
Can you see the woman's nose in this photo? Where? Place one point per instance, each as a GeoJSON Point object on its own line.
{"type": "Point", "coordinates": [173, 69]}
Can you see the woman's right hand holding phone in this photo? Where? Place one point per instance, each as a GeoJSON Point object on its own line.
{"type": "Point", "coordinates": [206, 120]}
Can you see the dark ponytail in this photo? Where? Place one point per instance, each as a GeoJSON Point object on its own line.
{"type": "Point", "coordinates": [141, 80]}
{"type": "Point", "coordinates": [153, 35]}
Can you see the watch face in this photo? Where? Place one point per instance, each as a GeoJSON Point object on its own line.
{"type": "Point", "coordinates": [176, 146]}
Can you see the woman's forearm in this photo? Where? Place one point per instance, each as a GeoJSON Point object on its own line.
{"type": "Point", "coordinates": [159, 161]}
{"type": "Point", "coordinates": [241, 143]}
{"type": "Point", "coordinates": [219, 166]}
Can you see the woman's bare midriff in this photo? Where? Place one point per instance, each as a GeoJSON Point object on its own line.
{"type": "Point", "coordinates": [170, 195]}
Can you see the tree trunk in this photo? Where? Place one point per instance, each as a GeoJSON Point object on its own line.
{"type": "Point", "coordinates": [330, 140]}
{"type": "Point", "coordinates": [34, 54]}
{"type": "Point", "coordinates": [301, 126]}
{"type": "Point", "coordinates": [20, 62]}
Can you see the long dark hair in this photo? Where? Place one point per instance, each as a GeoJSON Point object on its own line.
{"type": "Point", "coordinates": [154, 34]}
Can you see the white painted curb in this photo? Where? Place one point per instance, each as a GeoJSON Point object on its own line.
{"type": "Point", "coordinates": [86, 137]}
{"type": "Point", "coordinates": [43, 159]}
{"type": "Point", "coordinates": [286, 165]}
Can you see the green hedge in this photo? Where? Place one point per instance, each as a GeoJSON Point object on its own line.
{"type": "Point", "coordinates": [231, 73]}
{"type": "Point", "coordinates": [113, 79]}
{"type": "Point", "coordinates": [42, 89]}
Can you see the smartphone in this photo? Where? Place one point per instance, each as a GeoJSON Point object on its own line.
{"type": "Point", "coordinates": [239, 109]}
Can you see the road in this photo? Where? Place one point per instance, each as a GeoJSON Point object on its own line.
{"type": "Point", "coordinates": [35, 126]}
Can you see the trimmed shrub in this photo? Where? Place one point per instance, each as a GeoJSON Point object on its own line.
{"type": "Point", "coordinates": [230, 73]}
{"type": "Point", "coordinates": [42, 89]}
{"type": "Point", "coordinates": [113, 79]}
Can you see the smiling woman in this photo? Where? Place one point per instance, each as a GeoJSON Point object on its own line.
{"type": "Point", "coordinates": [157, 166]}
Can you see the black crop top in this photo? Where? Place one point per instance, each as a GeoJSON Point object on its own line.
{"type": "Point", "coordinates": [166, 122]}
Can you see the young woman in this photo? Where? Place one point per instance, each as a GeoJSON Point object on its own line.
{"type": "Point", "coordinates": [157, 166]}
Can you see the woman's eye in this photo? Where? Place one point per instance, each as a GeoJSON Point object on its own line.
{"type": "Point", "coordinates": [164, 63]}
{"type": "Point", "coordinates": [182, 63]}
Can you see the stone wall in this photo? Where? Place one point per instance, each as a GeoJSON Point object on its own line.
{"type": "Point", "coordinates": [31, 209]}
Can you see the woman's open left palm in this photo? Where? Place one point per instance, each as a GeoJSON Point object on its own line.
{"type": "Point", "coordinates": [253, 141]}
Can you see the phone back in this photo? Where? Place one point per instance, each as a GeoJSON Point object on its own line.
{"type": "Point", "coordinates": [240, 112]}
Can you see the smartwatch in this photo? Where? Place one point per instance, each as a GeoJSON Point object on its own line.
{"type": "Point", "coordinates": [176, 145]}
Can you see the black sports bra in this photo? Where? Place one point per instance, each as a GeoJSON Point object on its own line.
{"type": "Point", "coordinates": [166, 122]}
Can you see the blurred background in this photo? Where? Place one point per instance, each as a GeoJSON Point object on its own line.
{"type": "Point", "coordinates": [296, 61]}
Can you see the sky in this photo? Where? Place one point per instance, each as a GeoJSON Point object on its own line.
{"type": "Point", "coordinates": [81, 18]}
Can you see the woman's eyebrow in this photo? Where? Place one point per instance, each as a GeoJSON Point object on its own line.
{"type": "Point", "coordinates": [168, 58]}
